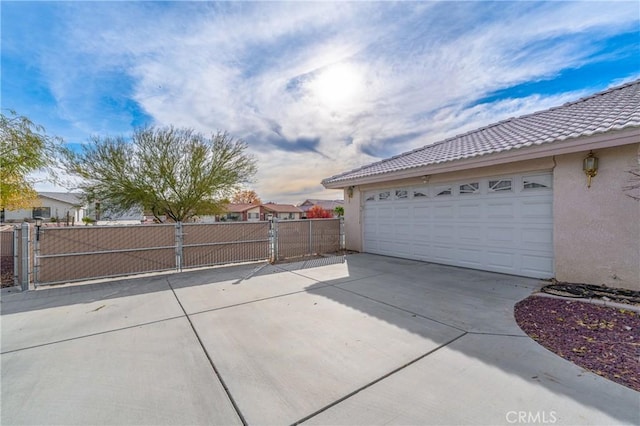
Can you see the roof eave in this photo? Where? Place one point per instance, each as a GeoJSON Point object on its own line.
{"type": "Point", "coordinates": [568, 146]}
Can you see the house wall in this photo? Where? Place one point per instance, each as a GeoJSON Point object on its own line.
{"type": "Point", "coordinates": [58, 209]}
{"type": "Point", "coordinates": [597, 229]}
{"type": "Point", "coordinates": [285, 215]}
{"type": "Point", "coordinates": [253, 212]}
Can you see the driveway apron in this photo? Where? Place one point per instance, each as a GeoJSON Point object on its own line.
{"type": "Point", "coordinates": [361, 339]}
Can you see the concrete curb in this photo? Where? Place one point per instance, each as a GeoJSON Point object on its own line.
{"type": "Point", "coordinates": [598, 302]}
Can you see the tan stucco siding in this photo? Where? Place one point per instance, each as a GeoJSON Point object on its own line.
{"type": "Point", "coordinates": [597, 229]}
{"type": "Point", "coordinates": [352, 220]}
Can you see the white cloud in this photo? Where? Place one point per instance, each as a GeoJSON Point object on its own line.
{"type": "Point", "coordinates": [257, 70]}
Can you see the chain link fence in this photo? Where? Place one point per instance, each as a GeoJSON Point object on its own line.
{"type": "Point", "coordinates": [52, 255]}
{"type": "Point", "coordinates": [6, 258]}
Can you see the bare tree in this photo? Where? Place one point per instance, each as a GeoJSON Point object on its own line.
{"type": "Point", "coordinates": [246, 196]}
{"type": "Point", "coordinates": [169, 171]}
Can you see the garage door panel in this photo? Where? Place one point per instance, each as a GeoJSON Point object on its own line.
{"type": "Point", "coordinates": [403, 231]}
{"type": "Point", "coordinates": [500, 210]}
{"type": "Point", "coordinates": [538, 236]}
{"type": "Point", "coordinates": [385, 232]}
{"type": "Point", "coordinates": [445, 254]}
{"type": "Point", "coordinates": [443, 211]}
{"type": "Point", "coordinates": [470, 257]}
{"type": "Point", "coordinates": [421, 213]}
{"type": "Point", "coordinates": [504, 236]}
{"type": "Point", "coordinates": [385, 212]}
{"type": "Point", "coordinates": [536, 265]}
{"type": "Point", "coordinates": [421, 250]}
{"type": "Point", "coordinates": [509, 232]}
{"type": "Point", "coordinates": [472, 212]}
{"type": "Point", "coordinates": [537, 209]}
{"type": "Point", "coordinates": [401, 212]}
{"type": "Point", "coordinates": [444, 233]}
{"type": "Point", "coordinates": [470, 233]}
{"type": "Point", "coordinates": [501, 259]}
{"type": "Point", "coordinates": [422, 231]}
{"type": "Point", "coordinates": [401, 248]}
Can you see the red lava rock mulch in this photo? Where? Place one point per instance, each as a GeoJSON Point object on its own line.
{"type": "Point", "coordinates": [604, 340]}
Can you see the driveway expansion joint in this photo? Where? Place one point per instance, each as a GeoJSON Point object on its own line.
{"type": "Point", "coordinates": [379, 379]}
{"type": "Point", "coordinates": [277, 296]}
{"type": "Point", "coordinates": [206, 353]}
{"type": "Point", "coordinates": [143, 324]}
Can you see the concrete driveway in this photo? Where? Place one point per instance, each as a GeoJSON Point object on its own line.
{"type": "Point", "coordinates": [358, 340]}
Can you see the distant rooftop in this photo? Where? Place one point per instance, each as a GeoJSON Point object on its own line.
{"type": "Point", "coordinates": [73, 198]}
{"type": "Point", "coordinates": [238, 208]}
{"type": "Point", "coordinates": [281, 208]}
{"type": "Point", "coordinates": [325, 204]}
{"type": "Point", "coordinates": [614, 109]}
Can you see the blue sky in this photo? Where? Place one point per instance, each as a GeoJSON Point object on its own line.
{"type": "Point", "coordinates": [314, 88]}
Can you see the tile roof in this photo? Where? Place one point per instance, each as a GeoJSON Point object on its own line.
{"type": "Point", "coordinates": [281, 208]}
{"type": "Point", "coordinates": [614, 109]}
{"type": "Point", "coordinates": [238, 208]}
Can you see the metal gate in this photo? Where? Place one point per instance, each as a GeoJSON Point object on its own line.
{"type": "Point", "coordinates": [67, 254]}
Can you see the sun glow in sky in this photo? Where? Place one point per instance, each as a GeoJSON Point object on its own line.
{"type": "Point", "coordinates": [338, 85]}
{"type": "Point", "coordinates": [314, 88]}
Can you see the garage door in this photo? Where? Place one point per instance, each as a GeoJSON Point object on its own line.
{"type": "Point", "coordinates": [502, 224]}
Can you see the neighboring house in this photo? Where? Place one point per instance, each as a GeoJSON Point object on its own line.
{"type": "Point", "coordinates": [328, 205]}
{"type": "Point", "coordinates": [57, 206]}
{"type": "Point", "coordinates": [243, 212]}
{"type": "Point", "coordinates": [134, 216]}
{"type": "Point", "coordinates": [512, 197]}
{"type": "Point", "coordinates": [281, 211]}
{"type": "Point", "coordinates": [255, 212]}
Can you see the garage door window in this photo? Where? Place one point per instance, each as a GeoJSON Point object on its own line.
{"type": "Point", "coordinates": [401, 194]}
{"type": "Point", "coordinates": [417, 193]}
{"type": "Point", "coordinates": [536, 182]}
{"type": "Point", "coordinates": [470, 188]}
{"type": "Point", "coordinates": [500, 185]}
{"type": "Point", "coordinates": [443, 190]}
{"type": "Point", "coordinates": [383, 196]}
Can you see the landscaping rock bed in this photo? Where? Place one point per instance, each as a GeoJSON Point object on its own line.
{"type": "Point", "coordinates": [601, 339]}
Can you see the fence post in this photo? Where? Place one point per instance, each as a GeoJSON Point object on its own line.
{"type": "Point", "coordinates": [24, 279]}
{"type": "Point", "coordinates": [179, 249]}
{"type": "Point", "coordinates": [343, 241]}
{"type": "Point", "coordinates": [273, 238]}
{"type": "Point", "coordinates": [310, 238]}
{"type": "Point", "coordinates": [36, 256]}
{"type": "Point", "coordinates": [16, 256]}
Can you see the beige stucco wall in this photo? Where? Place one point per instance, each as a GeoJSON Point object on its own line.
{"type": "Point", "coordinates": [597, 229]}
{"type": "Point", "coordinates": [352, 220]}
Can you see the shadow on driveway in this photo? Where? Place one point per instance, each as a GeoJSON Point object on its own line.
{"type": "Point", "coordinates": [361, 339]}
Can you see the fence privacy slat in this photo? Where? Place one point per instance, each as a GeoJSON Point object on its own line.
{"type": "Point", "coordinates": [66, 254]}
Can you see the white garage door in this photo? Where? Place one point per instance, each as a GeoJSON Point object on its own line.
{"type": "Point", "coordinates": [502, 224]}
